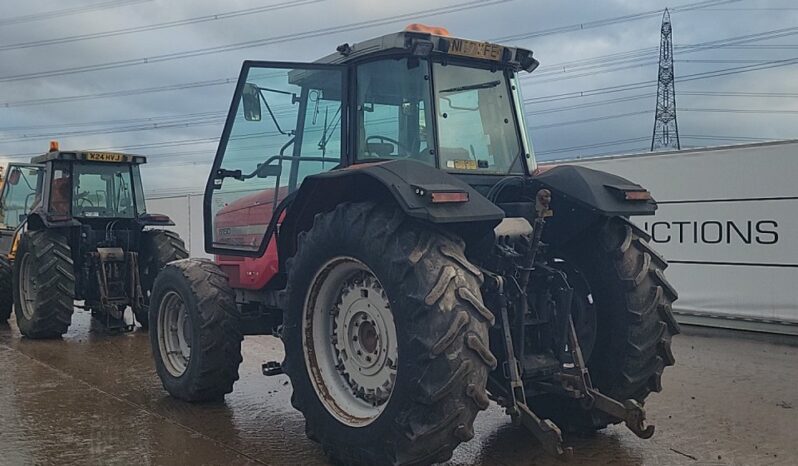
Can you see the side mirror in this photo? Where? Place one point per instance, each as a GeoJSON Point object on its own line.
{"type": "Point", "coordinates": [250, 96]}
{"type": "Point", "coordinates": [13, 177]}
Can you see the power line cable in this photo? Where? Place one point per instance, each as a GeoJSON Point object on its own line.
{"type": "Point", "coordinates": [611, 21]}
{"type": "Point", "coordinates": [252, 43]}
{"type": "Point", "coordinates": [159, 26]}
{"type": "Point", "coordinates": [67, 12]}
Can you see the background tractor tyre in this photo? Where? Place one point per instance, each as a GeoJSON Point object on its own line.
{"type": "Point", "coordinates": [195, 336]}
{"type": "Point", "coordinates": [158, 248]}
{"type": "Point", "coordinates": [6, 289]}
{"type": "Point", "coordinates": [431, 297]}
{"type": "Point", "coordinates": [44, 284]}
{"type": "Point", "coordinates": [634, 323]}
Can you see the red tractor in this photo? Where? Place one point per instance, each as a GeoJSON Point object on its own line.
{"type": "Point", "coordinates": [380, 210]}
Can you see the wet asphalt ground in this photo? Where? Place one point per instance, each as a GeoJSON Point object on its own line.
{"type": "Point", "coordinates": [91, 398]}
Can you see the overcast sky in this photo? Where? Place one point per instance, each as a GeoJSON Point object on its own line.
{"type": "Point", "coordinates": [43, 85]}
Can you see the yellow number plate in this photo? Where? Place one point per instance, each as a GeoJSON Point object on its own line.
{"type": "Point", "coordinates": [473, 49]}
{"type": "Point", "coordinates": [105, 157]}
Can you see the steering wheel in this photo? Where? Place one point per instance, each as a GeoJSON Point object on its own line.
{"type": "Point", "coordinates": [84, 198]}
{"type": "Point", "coordinates": [398, 144]}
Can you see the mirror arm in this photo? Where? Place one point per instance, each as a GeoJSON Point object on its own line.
{"type": "Point", "coordinates": [271, 114]}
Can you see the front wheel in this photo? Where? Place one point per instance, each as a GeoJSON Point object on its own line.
{"type": "Point", "coordinates": [386, 337]}
{"type": "Point", "coordinates": [195, 336]}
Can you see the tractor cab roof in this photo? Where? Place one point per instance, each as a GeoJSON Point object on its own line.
{"type": "Point", "coordinates": [420, 40]}
{"type": "Point", "coordinates": [89, 156]}
{"type": "Point", "coordinates": [423, 41]}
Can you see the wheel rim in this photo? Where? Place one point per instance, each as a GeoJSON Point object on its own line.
{"type": "Point", "coordinates": [27, 287]}
{"type": "Point", "coordinates": [349, 341]}
{"type": "Point", "coordinates": [174, 333]}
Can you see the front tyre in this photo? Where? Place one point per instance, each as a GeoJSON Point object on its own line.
{"type": "Point", "coordinates": [386, 337]}
{"type": "Point", "coordinates": [44, 284]}
{"type": "Point", "coordinates": [195, 336]}
{"type": "Point", "coordinates": [158, 248]}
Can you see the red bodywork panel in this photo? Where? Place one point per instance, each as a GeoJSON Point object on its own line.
{"type": "Point", "coordinates": [244, 222]}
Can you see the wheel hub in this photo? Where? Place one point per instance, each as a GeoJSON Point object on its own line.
{"type": "Point", "coordinates": [351, 348]}
{"type": "Point", "coordinates": [174, 333]}
{"type": "Point", "coordinates": [363, 355]}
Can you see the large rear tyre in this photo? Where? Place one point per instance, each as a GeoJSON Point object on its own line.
{"type": "Point", "coordinates": [622, 315]}
{"type": "Point", "coordinates": [158, 248]}
{"type": "Point", "coordinates": [386, 337]}
{"type": "Point", "coordinates": [195, 337]}
{"type": "Point", "coordinates": [44, 284]}
{"type": "Point", "coordinates": [6, 289]}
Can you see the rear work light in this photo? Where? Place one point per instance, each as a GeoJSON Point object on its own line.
{"type": "Point", "coordinates": [437, 197]}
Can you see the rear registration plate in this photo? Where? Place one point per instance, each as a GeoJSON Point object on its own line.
{"type": "Point", "coordinates": [473, 49]}
{"type": "Point", "coordinates": [105, 157]}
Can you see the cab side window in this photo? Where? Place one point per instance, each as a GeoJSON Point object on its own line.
{"type": "Point", "coordinates": [21, 194]}
{"type": "Point", "coordinates": [392, 113]}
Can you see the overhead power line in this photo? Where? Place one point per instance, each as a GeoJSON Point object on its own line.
{"type": "Point", "coordinates": [121, 93]}
{"type": "Point", "coordinates": [159, 26]}
{"type": "Point", "coordinates": [310, 34]}
{"type": "Point", "coordinates": [573, 65]}
{"type": "Point", "coordinates": [610, 21]}
{"type": "Point", "coordinates": [253, 43]}
{"type": "Point", "coordinates": [68, 11]}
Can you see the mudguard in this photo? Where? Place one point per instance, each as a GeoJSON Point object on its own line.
{"type": "Point", "coordinates": [582, 196]}
{"type": "Point", "coordinates": [407, 183]}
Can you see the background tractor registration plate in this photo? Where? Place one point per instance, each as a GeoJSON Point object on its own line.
{"type": "Point", "coordinates": [105, 157]}
{"type": "Point", "coordinates": [473, 49]}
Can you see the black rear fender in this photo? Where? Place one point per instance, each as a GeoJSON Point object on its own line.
{"type": "Point", "coordinates": [406, 183]}
{"type": "Point", "coordinates": [582, 196]}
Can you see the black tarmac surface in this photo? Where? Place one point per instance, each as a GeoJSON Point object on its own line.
{"type": "Point", "coordinates": [732, 398]}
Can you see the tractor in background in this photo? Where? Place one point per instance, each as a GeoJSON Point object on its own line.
{"type": "Point", "coordinates": [74, 227]}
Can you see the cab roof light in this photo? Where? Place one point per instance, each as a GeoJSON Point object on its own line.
{"type": "Point", "coordinates": [422, 48]}
{"type": "Point", "coordinates": [434, 30]}
{"type": "Point", "coordinates": [53, 146]}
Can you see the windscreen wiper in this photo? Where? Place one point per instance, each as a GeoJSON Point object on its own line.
{"type": "Point", "coordinates": [485, 85]}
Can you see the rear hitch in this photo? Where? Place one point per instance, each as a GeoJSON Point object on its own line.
{"type": "Point", "coordinates": [544, 430]}
{"type": "Point", "coordinates": [630, 411]}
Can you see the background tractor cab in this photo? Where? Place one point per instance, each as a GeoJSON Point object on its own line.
{"type": "Point", "coordinates": [90, 206]}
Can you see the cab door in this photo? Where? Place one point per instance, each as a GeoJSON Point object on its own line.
{"type": "Point", "coordinates": [21, 192]}
{"type": "Point", "coordinates": [287, 121]}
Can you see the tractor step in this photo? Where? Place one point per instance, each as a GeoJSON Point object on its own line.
{"type": "Point", "coordinates": [272, 368]}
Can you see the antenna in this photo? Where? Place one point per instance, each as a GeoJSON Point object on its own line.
{"type": "Point", "coordinates": [666, 130]}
